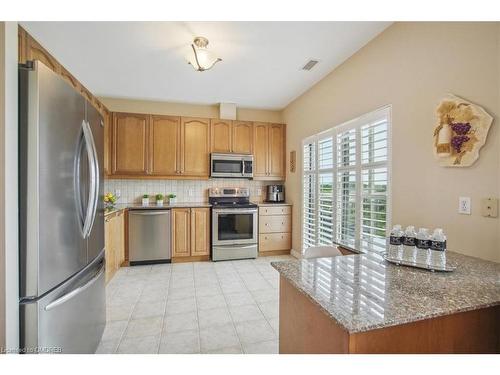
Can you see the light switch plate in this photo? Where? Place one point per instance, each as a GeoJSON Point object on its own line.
{"type": "Point", "coordinates": [464, 205]}
{"type": "Point", "coordinates": [489, 207]}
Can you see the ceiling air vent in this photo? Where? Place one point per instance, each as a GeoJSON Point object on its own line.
{"type": "Point", "coordinates": [309, 65]}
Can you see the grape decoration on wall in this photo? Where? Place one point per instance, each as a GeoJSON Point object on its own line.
{"type": "Point", "coordinates": [461, 131]}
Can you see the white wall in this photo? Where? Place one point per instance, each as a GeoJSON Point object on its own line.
{"type": "Point", "coordinates": [9, 288]}
{"type": "Point", "coordinates": [411, 65]}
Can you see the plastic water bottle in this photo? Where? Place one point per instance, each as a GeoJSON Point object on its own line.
{"type": "Point", "coordinates": [395, 242]}
{"type": "Point", "coordinates": [423, 239]}
{"type": "Point", "coordinates": [423, 243]}
{"type": "Point", "coordinates": [410, 237]}
{"type": "Point", "coordinates": [438, 249]}
{"type": "Point", "coordinates": [396, 236]}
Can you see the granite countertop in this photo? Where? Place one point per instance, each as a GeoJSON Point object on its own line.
{"type": "Point", "coordinates": [364, 292]}
{"type": "Point", "coordinates": [153, 206]}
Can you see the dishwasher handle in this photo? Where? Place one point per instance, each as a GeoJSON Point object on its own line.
{"type": "Point", "coordinates": [149, 213]}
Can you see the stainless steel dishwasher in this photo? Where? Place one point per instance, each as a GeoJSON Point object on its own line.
{"type": "Point", "coordinates": [149, 236]}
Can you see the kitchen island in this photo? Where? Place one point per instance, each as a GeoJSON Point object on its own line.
{"type": "Point", "coordinates": [363, 304]}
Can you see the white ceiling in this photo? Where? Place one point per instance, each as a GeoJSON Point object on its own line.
{"type": "Point", "coordinates": [261, 65]}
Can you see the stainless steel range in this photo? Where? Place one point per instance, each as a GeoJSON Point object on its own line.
{"type": "Point", "coordinates": [234, 224]}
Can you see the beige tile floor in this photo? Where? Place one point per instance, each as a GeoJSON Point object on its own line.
{"type": "Point", "coordinates": [201, 307]}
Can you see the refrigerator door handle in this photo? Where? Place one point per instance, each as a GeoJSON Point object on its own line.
{"type": "Point", "coordinates": [78, 184]}
{"type": "Point", "coordinates": [76, 291]}
{"type": "Point", "coordinates": [94, 179]}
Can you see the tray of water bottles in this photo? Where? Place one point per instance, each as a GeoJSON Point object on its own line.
{"type": "Point", "coordinates": [419, 250]}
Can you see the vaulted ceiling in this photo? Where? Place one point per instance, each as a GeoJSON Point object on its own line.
{"type": "Point", "coordinates": [261, 65]}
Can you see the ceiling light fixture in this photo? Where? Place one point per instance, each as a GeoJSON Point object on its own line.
{"type": "Point", "coordinates": [202, 58]}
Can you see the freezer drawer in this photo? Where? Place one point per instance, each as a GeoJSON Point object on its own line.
{"type": "Point", "coordinates": [70, 319]}
{"type": "Point", "coordinates": [149, 236]}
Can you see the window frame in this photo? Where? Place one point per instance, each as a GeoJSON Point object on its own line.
{"type": "Point", "coordinates": [357, 124]}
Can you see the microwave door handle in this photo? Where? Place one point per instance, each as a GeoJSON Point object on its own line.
{"type": "Point", "coordinates": [243, 169]}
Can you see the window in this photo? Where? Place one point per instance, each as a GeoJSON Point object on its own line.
{"type": "Point", "coordinates": [346, 184]}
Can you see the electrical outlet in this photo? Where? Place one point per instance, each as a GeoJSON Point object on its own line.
{"type": "Point", "coordinates": [259, 192]}
{"type": "Point", "coordinates": [190, 192]}
{"type": "Point", "coordinates": [464, 205]}
{"type": "Point", "coordinates": [118, 193]}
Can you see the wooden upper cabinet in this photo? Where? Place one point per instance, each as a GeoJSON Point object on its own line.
{"type": "Point", "coordinates": [276, 151]}
{"type": "Point", "coordinates": [165, 140]}
{"type": "Point", "coordinates": [200, 231]}
{"type": "Point", "coordinates": [220, 134]}
{"type": "Point", "coordinates": [260, 149]}
{"type": "Point", "coordinates": [130, 144]}
{"type": "Point", "coordinates": [269, 151]}
{"type": "Point", "coordinates": [181, 232]}
{"type": "Point", "coordinates": [242, 137]}
{"type": "Point", "coordinates": [195, 146]}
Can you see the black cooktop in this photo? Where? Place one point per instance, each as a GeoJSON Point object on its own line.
{"type": "Point", "coordinates": [233, 205]}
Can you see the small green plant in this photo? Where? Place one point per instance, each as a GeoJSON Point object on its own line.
{"type": "Point", "coordinates": [159, 197]}
{"type": "Point", "coordinates": [171, 195]}
{"type": "Point", "coordinates": [145, 196]}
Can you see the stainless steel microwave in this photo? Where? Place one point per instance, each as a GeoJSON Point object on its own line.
{"type": "Point", "coordinates": [231, 165]}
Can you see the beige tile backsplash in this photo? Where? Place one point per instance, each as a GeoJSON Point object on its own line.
{"type": "Point", "coordinates": [131, 191]}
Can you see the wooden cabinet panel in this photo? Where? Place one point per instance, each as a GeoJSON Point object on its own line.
{"type": "Point", "coordinates": [114, 237]}
{"type": "Point", "coordinates": [220, 134]}
{"type": "Point", "coordinates": [242, 137]}
{"type": "Point", "coordinates": [181, 238]}
{"type": "Point", "coordinates": [276, 151]}
{"type": "Point", "coordinates": [109, 245]}
{"type": "Point", "coordinates": [275, 241]}
{"type": "Point", "coordinates": [36, 52]}
{"type": "Point", "coordinates": [275, 210]}
{"type": "Point", "coordinates": [196, 146]}
{"type": "Point", "coordinates": [200, 231]}
{"type": "Point", "coordinates": [260, 150]}
{"type": "Point", "coordinates": [22, 40]}
{"type": "Point", "coordinates": [106, 116]}
{"type": "Point", "coordinates": [275, 224]}
{"type": "Point", "coordinates": [120, 239]}
{"type": "Point", "coordinates": [165, 145]}
{"type": "Point", "coordinates": [130, 144]}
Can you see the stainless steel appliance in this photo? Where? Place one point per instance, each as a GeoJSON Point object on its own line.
{"type": "Point", "coordinates": [275, 193]}
{"type": "Point", "coordinates": [234, 224]}
{"type": "Point", "coordinates": [61, 144]}
{"type": "Point", "coordinates": [149, 236]}
{"type": "Point", "coordinates": [231, 165]}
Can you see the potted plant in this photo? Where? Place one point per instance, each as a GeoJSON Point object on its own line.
{"type": "Point", "coordinates": [159, 199]}
{"type": "Point", "coordinates": [145, 200]}
{"type": "Point", "coordinates": [172, 198]}
{"type": "Point", "coordinates": [110, 200]}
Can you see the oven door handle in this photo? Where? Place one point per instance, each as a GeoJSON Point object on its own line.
{"type": "Point", "coordinates": [235, 211]}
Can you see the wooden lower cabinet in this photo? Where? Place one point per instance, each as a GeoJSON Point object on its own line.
{"type": "Point", "coordinates": [275, 229]}
{"type": "Point", "coordinates": [114, 232]}
{"type": "Point", "coordinates": [181, 227]}
{"type": "Point", "coordinates": [200, 231]}
{"type": "Point", "coordinates": [190, 234]}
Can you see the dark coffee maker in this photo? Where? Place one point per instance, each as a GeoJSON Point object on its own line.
{"type": "Point", "coordinates": [275, 193]}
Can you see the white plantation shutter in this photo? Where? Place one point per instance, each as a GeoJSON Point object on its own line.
{"type": "Point", "coordinates": [309, 227]}
{"type": "Point", "coordinates": [346, 184]}
{"type": "Point", "coordinates": [325, 191]}
{"type": "Point", "coordinates": [374, 171]}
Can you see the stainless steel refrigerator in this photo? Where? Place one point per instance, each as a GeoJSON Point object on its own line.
{"type": "Point", "coordinates": [61, 145]}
